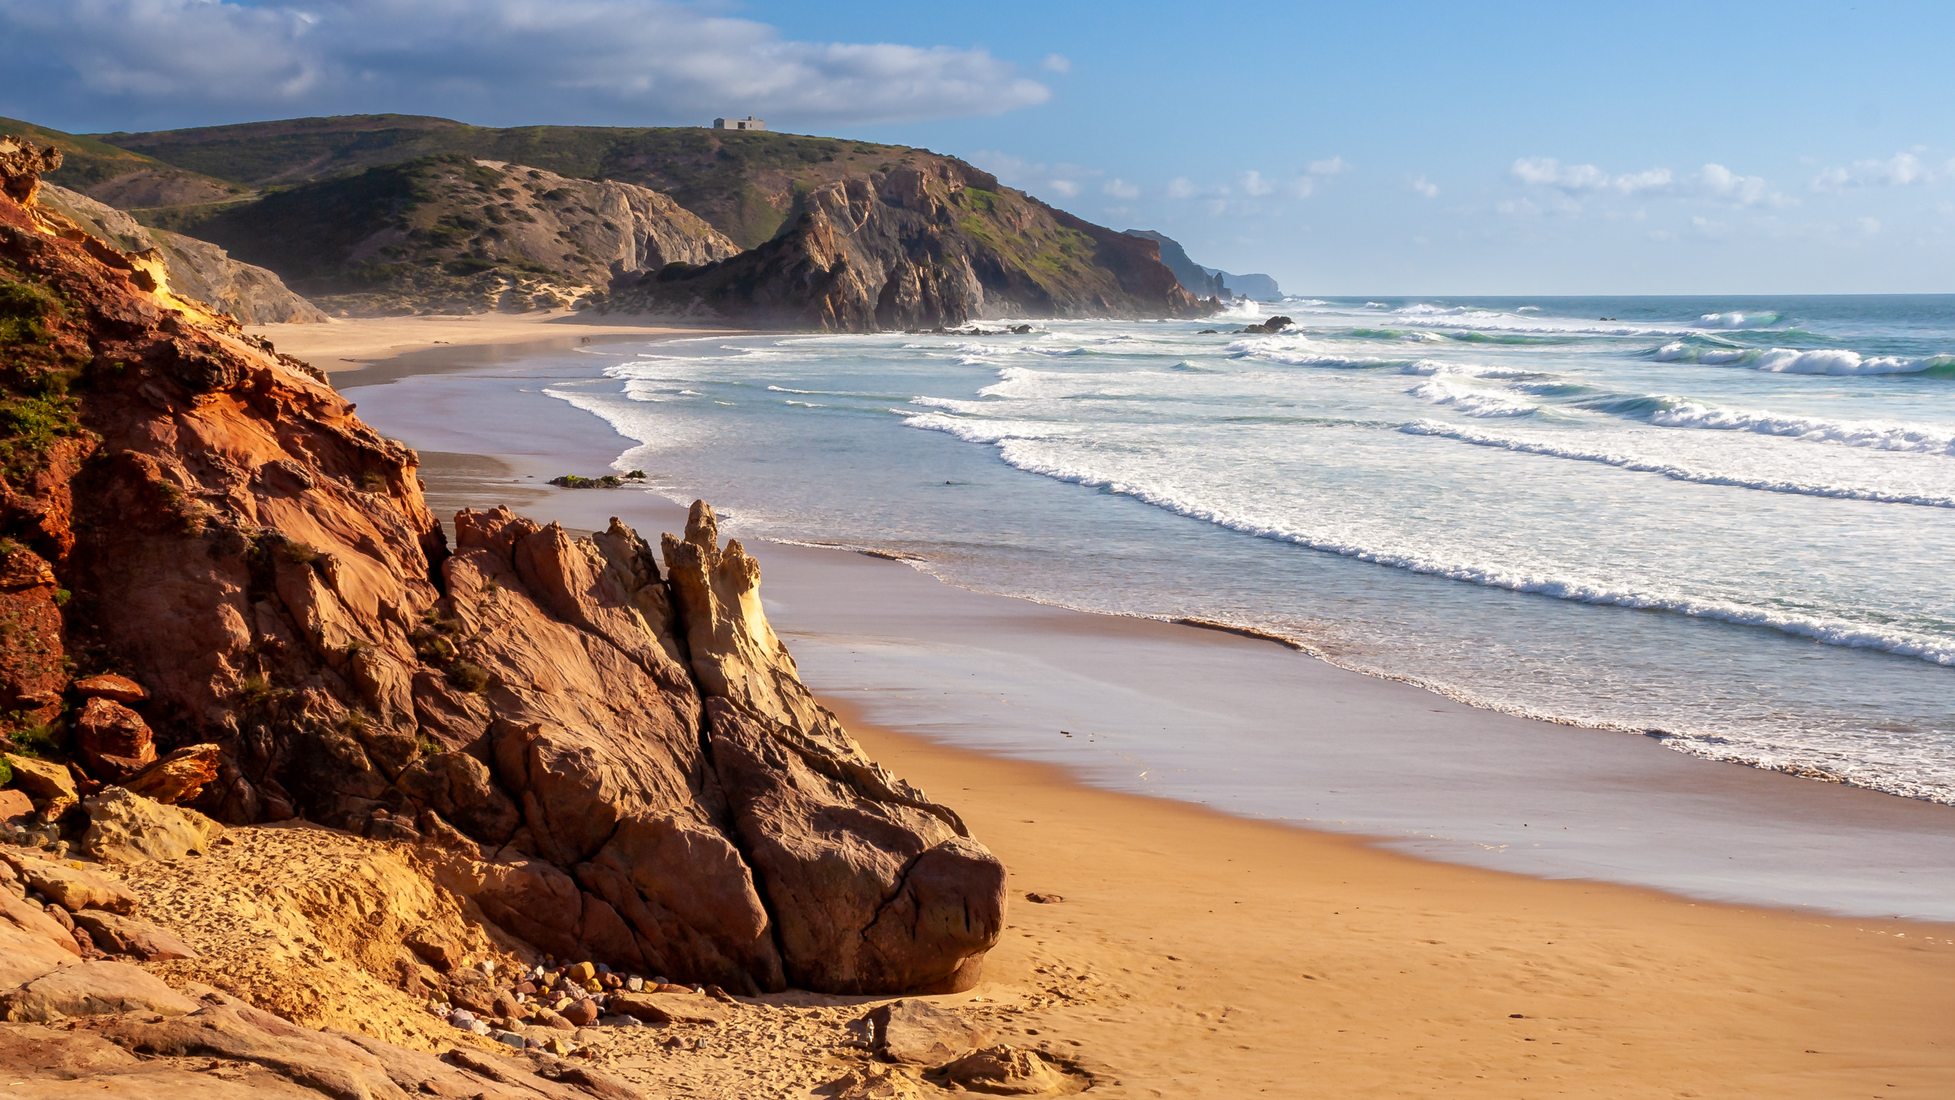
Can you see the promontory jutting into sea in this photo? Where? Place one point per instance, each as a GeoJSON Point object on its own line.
{"type": "Point", "coordinates": [1723, 521]}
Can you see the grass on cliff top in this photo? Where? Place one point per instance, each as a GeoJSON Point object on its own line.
{"type": "Point", "coordinates": [87, 163]}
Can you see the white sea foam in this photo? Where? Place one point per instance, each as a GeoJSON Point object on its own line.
{"type": "Point", "coordinates": [1672, 470]}
{"type": "Point", "coordinates": [1298, 354]}
{"type": "Point", "coordinates": [1834, 361]}
{"type": "Point", "coordinates": [1737, 319]}
{"type": "Point", "coordinates": [1877, 435]}
{"type": "Point", "coordinates": [1023, 454]}
{"type": "Point", "coordinates": [1470, 401]}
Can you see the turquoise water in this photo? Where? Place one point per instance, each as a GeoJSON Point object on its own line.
{"type": "Point", "coordinates": [1723, 521]}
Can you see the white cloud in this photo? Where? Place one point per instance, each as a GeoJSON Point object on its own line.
{"type": "Point", "coordinates": [1303, 187]}
{"type": "Point", "coordinates": [1066, 187]}
{"type": "Point", "coordinates": [1334, 166]}
{"type": "Point", "coordinates": [1121, 189]}
{"type": "Point", "coordinates": [1587, 178]}
{"type": "Point", "coordinates": [1713, 181]}
{"type": "Point", "coordinates": [1255, 185]}
{"type": "Point", "coordinates": [1869, 226]}
{"type": "Point", "coordinates": [1424, 187]}
{"type": "Point", "coordinates": [1056, 63]}
{"type": "Point", "coordinates": [1900, 170]}
{"type": "Point", "coordinates": [1181, 187]}
{"type": "Point", "coordinates": [639, 61]}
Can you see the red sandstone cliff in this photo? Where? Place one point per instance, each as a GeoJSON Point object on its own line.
{"type": "Point", "coordinates": [606, 747]}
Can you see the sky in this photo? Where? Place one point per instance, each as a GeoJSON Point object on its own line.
{"type": "Point", "coordinates": [1348, 149]}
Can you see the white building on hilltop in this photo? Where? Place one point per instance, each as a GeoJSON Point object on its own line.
{"type": "Point", "coordinates": [747, 123]}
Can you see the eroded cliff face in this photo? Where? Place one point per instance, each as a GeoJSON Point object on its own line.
{"type": "Point", "coordinates": [610, 753]}
{"type": "Point", "coordinates": [197, 269]}
{"type": "Point", "coordinates": [921, 245]}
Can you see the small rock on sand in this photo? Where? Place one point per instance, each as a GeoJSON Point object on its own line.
{"type": "Point", "coordinates": [920, 1033]}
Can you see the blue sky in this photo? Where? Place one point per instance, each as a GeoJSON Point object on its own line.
{"type": "Point", "coordinates": [1422, 148]}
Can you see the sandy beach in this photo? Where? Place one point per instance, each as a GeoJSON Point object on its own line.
{"type": "Point", "coordinates": [1185, 952]}
{"type": "Point", "coordinates": [341, 345]}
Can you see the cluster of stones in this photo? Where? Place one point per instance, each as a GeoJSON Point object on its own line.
{"type": "Point", "coordinates": [113, 749]}
{"type": "Point", "coordinates": [542, 1006]}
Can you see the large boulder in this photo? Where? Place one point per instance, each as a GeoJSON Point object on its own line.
{"type": "Point", "coordinates": [50, 785]}
{"type": "Point", "coordinates": [125, 827]}
{"type": "Point", "coordinates": [113, 741]}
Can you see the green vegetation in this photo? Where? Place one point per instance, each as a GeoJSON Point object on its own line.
{"type": "Point", "coordinates": [36, 369]}
{"type": "Point", "coordinates": [468, 676]}
{"type": "Point", "coordinates": [39, 741]}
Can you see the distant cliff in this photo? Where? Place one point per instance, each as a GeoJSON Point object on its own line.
{"type": "Point", "coordinates": [922, 245]}
{"type": "Point", "coordinates": [391, 213]}
{"type": "Point", "coordinates": [1206, 282]}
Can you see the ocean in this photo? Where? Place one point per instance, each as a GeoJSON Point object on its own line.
{"type": "Point", "coordinates": [1722, 522]}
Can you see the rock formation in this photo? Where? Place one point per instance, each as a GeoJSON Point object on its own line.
{"type": "Point", "coordinates": [614, 760]}
{"type": "Point", "coordinates": [74, 1021]}
{"type": "Point", "coordinates": [920, 245]}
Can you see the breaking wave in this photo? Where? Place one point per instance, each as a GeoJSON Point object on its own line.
{"type": "Point", "coordinates": [1739, 319]}
{"type": "Point", "coordinates": [1833, 361]}
{"type": "Point", "coordinates": [1672, 470]}
{"type": "Point", "coordinates": [1019, 449]}
{"type": "Point", "coordinates": [1471, 402]}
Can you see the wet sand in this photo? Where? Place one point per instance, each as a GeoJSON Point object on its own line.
{"type": "Point", "coordinates": [1210, 955]}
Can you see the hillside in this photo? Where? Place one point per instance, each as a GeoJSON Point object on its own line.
{"type": "Point", "coordinates": [450, 234]}
{"type": "Point", "coordinates": [391, 213]}
{"type": "Point", "coordinates": [120, 177]}
{"type": "Point", "coordinates": [744, 183]}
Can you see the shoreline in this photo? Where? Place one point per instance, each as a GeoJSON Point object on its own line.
{"type": "Point", "coordinates": [1202, 952]}
{"type": "Point", "coordinates": [1426, 773]}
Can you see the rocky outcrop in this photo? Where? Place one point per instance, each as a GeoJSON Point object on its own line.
{"type": "Point", "coordinates": [611, 762]}
{"type": "Point", "coordinates": [72, 1025]}
{"type": "Point", "coordinates": [455, 234]}
{"type": "Point", "coordinates": [931, 243]}
{"type": "Point", "coordinates": [198, 269]}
